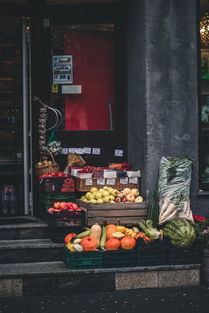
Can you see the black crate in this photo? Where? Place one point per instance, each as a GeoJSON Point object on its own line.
{"type": "Point", "coordinates": [57, 184]}
{"type": "Point", "coordinates": [83, 260]}
{"type": "Point", "coordinates": [57, 234]}
{"type": "Point", "coordinates": [119, 258]}
{"type": "Point", "coordinates": [153, 253]}
{"type": "Point", "coordinates": [64, 223]}
{"type": "Point", "coordinates": [190, 255]}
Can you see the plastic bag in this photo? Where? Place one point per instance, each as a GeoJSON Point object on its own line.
{"type": "Point", "coordinates": [174, 189]}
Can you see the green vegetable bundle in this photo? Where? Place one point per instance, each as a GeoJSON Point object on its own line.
{"type": "Point", "coordinates": [181, 232]}
{"type": "Point", "coordinates": [149, 230]}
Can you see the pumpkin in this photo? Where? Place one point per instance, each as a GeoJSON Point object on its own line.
{"type": "Point", "coordinates": [128, 243]}
{"type": "Point", "coordinates": [112, 244]}
{"type": "Point", "coordinates": [96, 232]}
{"type": "Point", "coordinates": [88, 243]}
{"type": "Point", "coordinates": [110, 229]}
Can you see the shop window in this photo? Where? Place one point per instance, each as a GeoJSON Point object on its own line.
{"type": "Point", "coordinates": [84, 70]}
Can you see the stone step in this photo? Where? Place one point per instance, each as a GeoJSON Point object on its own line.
{"type": "Point", "coordinates": [29, 251]}
{"type": "Point", "coordinates": [23, 228]}
{"type": "Point", "coordinates": [54, 278]}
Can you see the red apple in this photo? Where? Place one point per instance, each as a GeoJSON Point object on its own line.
{"type": "Point", "coordinates": [117, 199]}
{"type": "Point", "coordinates": [124, 199]}
{"type": "Point", "coordinates": [51, 210]}
{"type": "Point", "coordinates": [56, 205]}
{"type": "Point", "coordinates": [63, 205]}
{"type": "Point", "coordinates": [120, 195]}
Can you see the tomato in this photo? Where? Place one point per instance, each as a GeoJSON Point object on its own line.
{"type": "Point", "coordinates": [53, 174]}
{"type": "Point", "coordinates": [56, 205]}
{"type": "Point", "coordinates": [60, 174]}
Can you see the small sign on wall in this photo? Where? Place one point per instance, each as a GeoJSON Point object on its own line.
{"type": "Point", "coordinates": [71, 89]}
{"type": "Point", "coordinates": [62, 69]}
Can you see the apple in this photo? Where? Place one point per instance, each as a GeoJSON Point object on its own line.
{"type": "Point", "coordinates": [111, 197]}
{"type": "Point", "coordinates": [93, 189]}
{"type": "Point", "coordinates": [100, 200]}
{"type": "Point", "coordinates": [126, 191]}
{"type": "Point", "coordinates": [105, 187]}
{"type": "Point", "coordinates": [89, 196]}
{"type": "Point", "coordinates": [117, 199]}
{"type": "Point", "coordinates": [139, 199]}
{"type": "Point", "coordinates": [51, 210]}
{"type": "Point", "coordinates": [106, 199]}
{"type": "Point", "coordinates": [135, 192]}
{"type": "Point", "coordinates": [56, 205]}
{"type": "Point", "coordinates": [98, 195]}
{"type": "Point", "coordinates": [105, 193]}
{"type": "Point", "coordinates": [120, 195]}
{"type": "Point", "coordinates": [130, 197]}
{"type": "Point", "coordinates": [114, 192]}
{"type": "Point", "coordinates": [124, 199]}
{"type": "Point", "coordinates": [93, 200]}
{"type": "Point", "coordinates": [63, 205]}
{"type": "Point", "coordinates": [60, 174]}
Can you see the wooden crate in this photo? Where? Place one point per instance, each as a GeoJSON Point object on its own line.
{"type": "Point", "coordinates": [124, 213]}
{"type": "Point", "coordinates": [85, 184]}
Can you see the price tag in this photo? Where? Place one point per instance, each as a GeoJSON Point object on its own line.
{"type": "Point", "coordinates": [87, 150]}
{"type": "Point", "coordinates": [133, 180]}
{"type": "Point", "coordinates": [89, 182]}
{"type": "Point", "coordinates": [80, 151]}
{"type": "Point", "coordinates": [124, 181]}
{"type": "Point", "coordinates": [110, 181]}
{"type": "Point", "coordinates": [96, 151]}
{"type": "Point", "coordinates": [54, 88]}
{"type": "Point", "coordinates": [101, 181]}
{"type": "Point", "coordinates": [65, 150]}
{"type": "Point", "coordinates": [119, 153]}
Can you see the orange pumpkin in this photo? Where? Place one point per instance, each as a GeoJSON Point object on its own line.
{"type": "Point", "coordinates": [110, 229]}
{"type": "Point", "coordinates": [112, 244]}
{"type": "Point", "coordinates": [128, 243]}
{"type": "Point", "coordinates": [88, 243]}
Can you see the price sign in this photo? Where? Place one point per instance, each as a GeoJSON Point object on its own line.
{"type": "Point", "coordinates": [124, 181]}
{"type": "Point", "coordinates": [88, 182]}
{"type": "Point", "coordinates": [110, 181]}
{"type": "Point", "coordinates": [87, 150]}
{"type": "Point", "coordinates": [101, 181]}
{"type": "Point", "coordinates": [118, 152]}
{"type": "Point", "coordinates": [65, 150]}
{"type": "Point", "coordinates": [96, 151]}
{"type": "Point", "coordinates": [133, 180]}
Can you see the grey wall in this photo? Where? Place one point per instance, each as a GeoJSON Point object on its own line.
{"type": "Point", "coordinates": [162, 85]}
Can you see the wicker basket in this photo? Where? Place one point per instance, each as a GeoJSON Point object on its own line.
{"type": "Point", "coordinates": [47, 169]}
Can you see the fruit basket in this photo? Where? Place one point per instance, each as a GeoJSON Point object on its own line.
{"type": "Point", "coordinates": [85, 184]}
{"type": "Point", "coordinates": [57, 184]}
{"type": "Point", "coordinates": [125, 213]}
{"type": "Point", "coordinates": [46, 167]}
{"type": "Point", "coordinates": [153, 253]}
{"type": "Point", "coordinates": [83, 260]}
{"type": "Point", "coordinates": [119, 258]}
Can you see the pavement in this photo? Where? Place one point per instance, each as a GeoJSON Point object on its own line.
{"type": "Point", "coordinates": [165, 300]}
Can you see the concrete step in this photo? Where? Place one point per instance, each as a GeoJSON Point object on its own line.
{"type": "Point", "coordinates": [29, 251]}
{"type": "Point", "coordinates": [44, 278]}
{"type": "Point", "coordinates": [23, 228]}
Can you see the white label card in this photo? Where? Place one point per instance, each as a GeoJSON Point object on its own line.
{"type": "Point", "coordinates": [96, 151]}
{"type": "Point", "coordinates": [124, 181]}
{"type": "Point", "coordinates": [101, 181]}
{"type": "Point", "coordinates": [80, 151]}
{"type": "Point", "coordinates": [65, 150]}
{"type": "Point", "coordinates": [87, 150]}
{"type": "Point", "coordinates": [110, 181]}
{"type": "Point", "coordinates": [133, 180]}
{"type": "Point", "coordinates": [89, 182]}
{"type": "Point", "coordinates": [118, 153]}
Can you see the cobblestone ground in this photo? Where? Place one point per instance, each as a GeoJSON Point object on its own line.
{"type": "Point", "coordinates": [178, 300]}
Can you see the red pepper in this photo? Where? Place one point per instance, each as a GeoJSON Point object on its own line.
{"type": "Point", "coordinates": [69, 237]}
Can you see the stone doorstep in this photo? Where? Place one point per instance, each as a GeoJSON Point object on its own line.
{"type": "Point", "coordinates": [55, 278]}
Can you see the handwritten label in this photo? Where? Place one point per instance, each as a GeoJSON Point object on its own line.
{"type": "Point", "coordinates": [100, 181]}
{"type": "Point", "coordinates": [133, 180]}
{"type": "Point", "coordinates": [118, 152]}
{"type": "Point", "coordinates": [88, 182]}
{"type": "Point", "coordinates": [87, 150]}
{"type": "Point", "coordinates": [124, 181]}
{"type": "Point", "coordinates": [96, 151]}
{"type": "Point", "coordinates": [110, 181]}
{"type": "Point", "coordinates": [64, 150]}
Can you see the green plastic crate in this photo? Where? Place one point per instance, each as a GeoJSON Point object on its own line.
{"type": "Point", "coordinates": [119, 258]}
{"type": "Point", "coordinates": [47, 199]}
{"type": "Point", "coordinates": [83, 260]}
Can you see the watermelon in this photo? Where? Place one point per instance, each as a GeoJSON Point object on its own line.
{"type": "Point", "coordinates": [181, 232]}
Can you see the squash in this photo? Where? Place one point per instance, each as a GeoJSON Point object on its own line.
{"type": "Point", "coordinates": [96, 231]}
